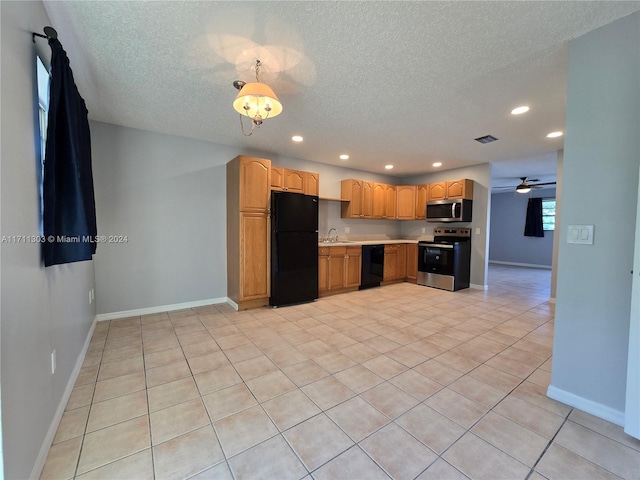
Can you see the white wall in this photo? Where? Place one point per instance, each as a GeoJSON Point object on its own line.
{"type": "Point", "coordinates": [42, 309]}
{"type": "Point", "coordinates": [481, 174]}
{"type": "Point", "coordinates": [508, 243]}
{"type": "Point", "coordinates": [600, 187]}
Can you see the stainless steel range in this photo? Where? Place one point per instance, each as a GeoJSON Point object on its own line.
{"type": "Point", "coordinates": [446, 261]}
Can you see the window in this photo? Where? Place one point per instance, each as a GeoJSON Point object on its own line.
{"type": "Point", "coordinates": [43, 116]}
{"type": "Point", "coordinates": [549, 213]}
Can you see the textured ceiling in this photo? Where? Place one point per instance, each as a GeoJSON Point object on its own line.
{"type": "Point", "coordinates": [407, 83]}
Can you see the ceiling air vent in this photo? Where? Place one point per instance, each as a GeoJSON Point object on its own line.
{"type": "Point", "coordinates": [486, 139]}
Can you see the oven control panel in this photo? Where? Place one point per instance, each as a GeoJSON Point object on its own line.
{"type": "Point", "coordinates": [451, 232]}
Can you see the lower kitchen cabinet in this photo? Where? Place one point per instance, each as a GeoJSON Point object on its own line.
{"type": "Point", "coordinates": [400, 262]}
{"type": "Point", "coordinates": [412, 261]}
{"type": "Point", "coordinates": [339, 268]}
{"type": "Point", "coordinates": [336, 267]}
{"type": "Point", "coordinates": [353, 267]}
{"type": "Point", "coordinates": [401, 272]}
{"type": "Point", "coordinates": [390, 273]}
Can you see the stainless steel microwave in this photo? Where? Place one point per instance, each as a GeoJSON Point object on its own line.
{"type": "Point", "coordinates": [458, 210]}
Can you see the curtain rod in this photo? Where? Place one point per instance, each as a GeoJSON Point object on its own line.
{"type": "Point", "coordinates": [49, 32]}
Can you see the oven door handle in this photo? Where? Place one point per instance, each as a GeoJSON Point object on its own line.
{"type": "Point", "coordinates": [435, 245]}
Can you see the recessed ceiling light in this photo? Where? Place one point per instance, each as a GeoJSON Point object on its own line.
{"type": "Point", "coordinates": [554, 134]}
{"type": "Point", "coordinates": [520, 110]}
{"type": "Point", "coordinates": [344, 157]}
{"type": "Point", "coordinates": [388, 167]}
{"type": "Point", "coordinates": [297, 138]}
{"type": "Point", "coordinates": [437, 164]}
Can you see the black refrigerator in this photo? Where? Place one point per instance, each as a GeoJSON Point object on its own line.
{"type": "Point", "coordinates": [294, 248]}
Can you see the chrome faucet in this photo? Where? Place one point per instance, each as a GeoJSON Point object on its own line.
{"type": "Point", "coordinates": [329, 239]}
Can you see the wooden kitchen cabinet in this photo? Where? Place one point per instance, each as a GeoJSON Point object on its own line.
{"type": "Point", "coordinates": [339, 268]}
{"type": "Point", "coordinates": [293, 181]}
{"type": "Point", "coordinates": [336, 267]}
{"type": "Point", "coordinates": [390, 202]}
{"type": "Point", "coordinates": [252, 182]}
{"type": "Point", "coordinates": [401, 272]}
{"type": "Point", "coordinates": [248, 232]}
{"type": "Point", "coordinates": [451, 189]}
{"type": "Point", "coordinates": [296, 181]}
{"type": "Point", "coordinates": [311, 183]}
{"type": "Point", "coordinates": [353, 267]}
{"type": "Point", "coordinates": [358, 196]}
{"type": "Point", "coordinates": [390, 272]}
{"type": "Point", "coordinates": [254, 256]}
{"type": "Point", "coordinates": [406, 202]}
{"type": "Point", "coordinates": [412, 261]}
{"type": "Point", "coordinates": [323, 269]}
{"type": "Point", "coordinates": [379, 200]}
{"type": "Point", "coordinates": [422, 196]}
{"type": "Point", "coordinates": [277, 178]}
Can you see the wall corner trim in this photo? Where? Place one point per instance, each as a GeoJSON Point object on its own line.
{"type": "Point", "coordinates": [479, 287]}
{"type": "Point", "coordinates": [55, 423]}
{"type": "Point", "coordinates": [233, 304]}
{"type": "Point", "coordinates": [597, 409]}
{"type": "Point", "coordinates": [162, 308]}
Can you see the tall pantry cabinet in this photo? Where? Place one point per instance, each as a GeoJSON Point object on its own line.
{"type": "Point", "coordinates": [248, 234]}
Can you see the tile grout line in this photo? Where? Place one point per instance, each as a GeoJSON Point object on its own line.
{"type": "Point", "coordinates": [531, 472]}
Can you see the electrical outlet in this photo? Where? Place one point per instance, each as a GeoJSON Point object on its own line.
{"type": "Point", "coordinates": [53, 362]}
{"type": "Point", "coordinates": [93, 294]}
{"type": "Point", "coordinates": [477, 230]}
{"type": "Point", "coordinates": [347, 229]}
{"type": "Point", "coordinates": [424, 230]}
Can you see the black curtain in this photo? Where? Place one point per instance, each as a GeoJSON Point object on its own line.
{"type": "Point", "coordinates": [69, 203]}
{"type": "Point", "coordinates": [533, 224]}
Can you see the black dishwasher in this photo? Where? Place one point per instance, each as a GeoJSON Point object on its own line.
{"type": "Point", "coordinates": [372, 266]}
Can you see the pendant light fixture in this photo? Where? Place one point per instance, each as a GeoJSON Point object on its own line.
{"type": "Point", "coordinates": [255, 100]}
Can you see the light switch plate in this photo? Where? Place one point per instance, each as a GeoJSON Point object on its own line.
{"type": "Point", "coordinates": [580, 234]}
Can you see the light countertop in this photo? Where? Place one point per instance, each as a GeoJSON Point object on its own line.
{"type": "Point", "coordinates": [342, 243]}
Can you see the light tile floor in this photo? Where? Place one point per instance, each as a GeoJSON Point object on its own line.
{"type": "Point", "coordinates": [402, 381]}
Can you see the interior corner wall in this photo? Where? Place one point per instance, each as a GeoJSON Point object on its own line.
{"type": "Point", "coordinates": [507, 241]}
{"type": "Point", "coordinates": [481, 175]}
{"type": "Point", "coordinates": [600, 188]}
{"type": "Point", "coordinates": [42, 309]}
{"type": "Point", "coordinates": [556, 238]}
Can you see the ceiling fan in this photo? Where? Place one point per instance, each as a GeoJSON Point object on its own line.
{"type": "Point", "coordinates": [528, 184]}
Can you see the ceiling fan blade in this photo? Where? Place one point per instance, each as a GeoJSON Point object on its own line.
{"type": "Point", "coordinates": [544, 183]}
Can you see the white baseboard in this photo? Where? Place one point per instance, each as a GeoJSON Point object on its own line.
{"type": "Point", "coordinates": [516, 264]}
{"type": "Point", "coordinates": [162, 308]}
{"type": "Point", "coordinates": [55, 423]}
{"type": "Point", "coordinates": [586, 405]}
{"type": "Point", "coordinates": [479, 287]}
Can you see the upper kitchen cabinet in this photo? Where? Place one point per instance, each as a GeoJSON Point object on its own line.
{"type": "Point", "coordinates": [311, 183]}
{"type": "Point", "coordinates": [277, 178]}
{"type": "Point", "coordinates": [384, 201]}
{"type": "Point", "coordinates": [406, 202]}
{"type": "Point", "coordinates": [293, 181]}
{"type": "Point", "coordinates": [422, 196]}
{"type": "Point", "coordinates": [358, 199]}
{"type": "Point", "coordinates": [451, 189]}
{"type": "Point", "coordinates": [390, 202]}
{"type": "Point", "coordinates": [379, 198]}
{"type": "Point", "coordinates": [251, 182]}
